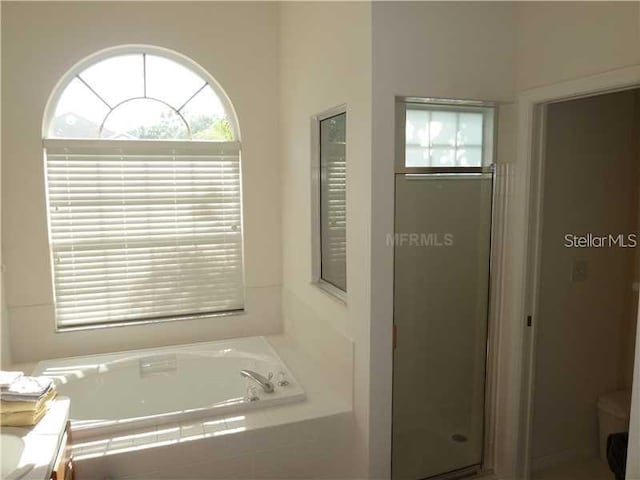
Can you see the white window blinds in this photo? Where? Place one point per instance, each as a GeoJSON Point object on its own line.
{"type": "Point", "coordinates": [333, 201]}
{"type": "Point", "coordinates": [143, 230]}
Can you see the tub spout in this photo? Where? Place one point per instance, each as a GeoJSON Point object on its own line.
{"type": "Point", "coordinates": [266, 385]}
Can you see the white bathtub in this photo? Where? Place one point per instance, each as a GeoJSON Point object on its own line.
{"type": "Point", "coordinates": [127, 390]}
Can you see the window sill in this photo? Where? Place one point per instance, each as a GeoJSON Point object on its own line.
{"type": "Point", "coordinates": [149, 321]}
{"type": "Point", "coordinates": [331, 290]}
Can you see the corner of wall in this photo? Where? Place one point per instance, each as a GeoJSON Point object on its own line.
{"type": "Point", "coordinates": [306, 328]}
{"type": "Point", "coordinates": [318, 72]}
{"type": "Point", "coordinates": [630, 346]}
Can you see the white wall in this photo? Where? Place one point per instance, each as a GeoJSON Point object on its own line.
{"type": "Point", "coordinates": [325, 61]}
{"type": "Point", "coordinates": [633, 459]}
{"type": "Point", "coordinates": [630, 341]}
{"type": "Point", "coordinates": [591, 174]}
{"type": "Point", "coordinates": [558, 41]}
{"type": "Point", "coordinates": [235, 42]}
{"type": "Point", "coordinates": [429, 49]}
{"type": "Point", "coordinates": [6, 358]}
{"type": "Point", "coordinates": [5, 344]}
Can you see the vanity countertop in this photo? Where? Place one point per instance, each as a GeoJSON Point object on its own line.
{"type": "Point", "coordinates": [28, 453]}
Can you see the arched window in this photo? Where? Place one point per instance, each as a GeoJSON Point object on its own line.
{"type": "Point", "coordinates": [140, 96]}
{"type": "Point", "coordinates": [143, 190]}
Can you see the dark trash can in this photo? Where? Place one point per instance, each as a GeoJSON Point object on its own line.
{"type": "Point", "coordinates": [617, 453]}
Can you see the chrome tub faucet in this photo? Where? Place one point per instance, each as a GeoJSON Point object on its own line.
{"type": "Point", "coordinates": [265, 383]}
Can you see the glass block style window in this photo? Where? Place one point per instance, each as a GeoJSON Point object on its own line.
{"type": "Point", "coordinates": [142, 173]}
{"type": "Point", "coordinates": [444, 137]}
{"type": "Point", "coordinates": [333, 201]}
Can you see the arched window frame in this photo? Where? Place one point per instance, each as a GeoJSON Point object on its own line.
{"type": "Point", "coordinates": [183, 60]}
{"type": "Point", "coordinates": [178, 148]}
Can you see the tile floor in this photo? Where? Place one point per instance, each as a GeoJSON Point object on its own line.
{"type": "Point", "coordinates": [583, 469]}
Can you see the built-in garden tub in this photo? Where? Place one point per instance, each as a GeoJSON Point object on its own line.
{"type": "Point", "coordinates": [186, 412]}
{"type": "Point", "coordinates": [129, 390]}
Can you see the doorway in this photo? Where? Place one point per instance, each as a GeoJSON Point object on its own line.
{"type": "Point", "coordinates": [587, 271]}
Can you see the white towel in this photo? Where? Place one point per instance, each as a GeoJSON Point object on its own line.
{"type": "Point", "coordinates": [7, 378]}
{"type": "Point", "coordinates": [26, 388]}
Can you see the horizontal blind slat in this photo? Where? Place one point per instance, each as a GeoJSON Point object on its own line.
{"type": "Point", "coordinates": [88, 291]}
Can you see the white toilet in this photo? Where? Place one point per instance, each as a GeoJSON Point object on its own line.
{"type": "Point", "coordinates": [613, 416]}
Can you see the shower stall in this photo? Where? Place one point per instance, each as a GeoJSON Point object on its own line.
{"type": "Point", "coordinates": [442, 248]}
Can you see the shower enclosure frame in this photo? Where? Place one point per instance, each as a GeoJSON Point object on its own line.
{"type": "Point", "coordinates": [497, 237]}
{"type": "Point", "coordinates": [525, 243]}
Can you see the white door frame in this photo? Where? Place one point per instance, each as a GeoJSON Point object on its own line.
{"type": "Point", "coordinates": [524, 243]}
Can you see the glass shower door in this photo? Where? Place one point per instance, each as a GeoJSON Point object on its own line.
{"type": "Point", "coordinates": [442, 253]}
